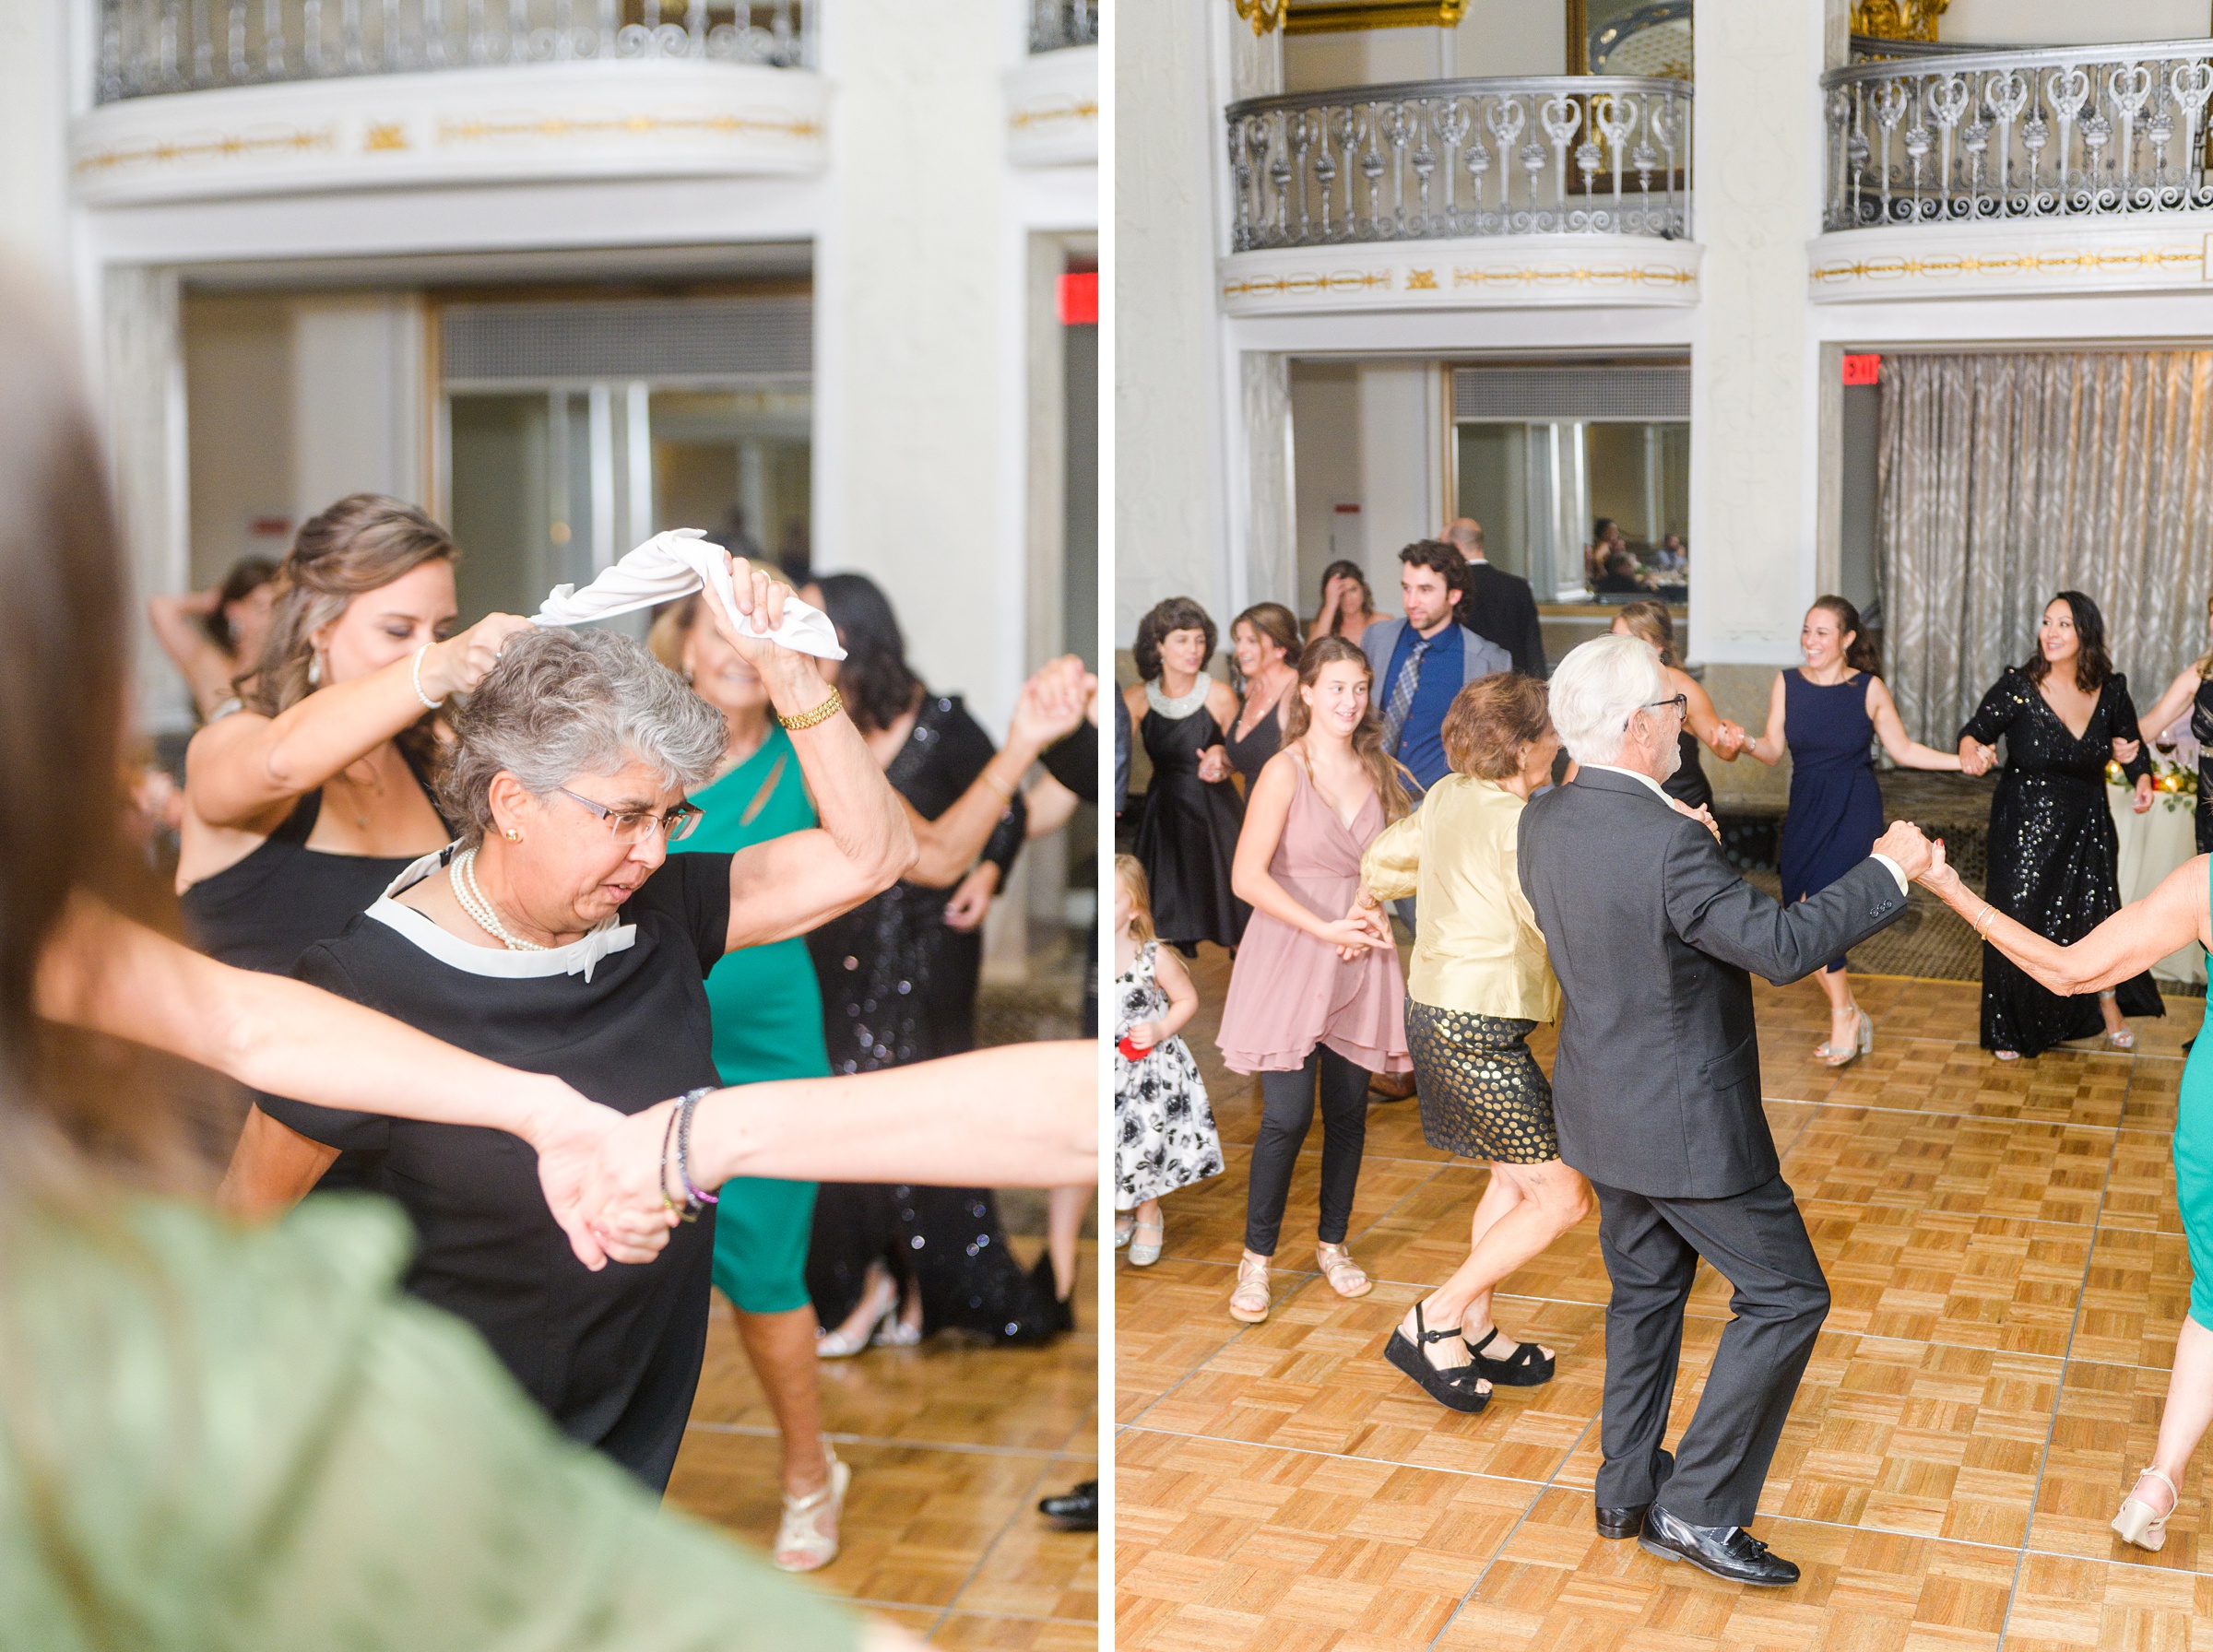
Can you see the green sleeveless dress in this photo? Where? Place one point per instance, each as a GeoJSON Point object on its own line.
{"type": "Point", "coordinates": [768, 1024]}
{"type": "Point", "coordinates": [2193, 1164]}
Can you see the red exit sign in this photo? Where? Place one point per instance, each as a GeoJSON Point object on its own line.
{"type": "Point", "coordinates": [1080, 299]}
{"type": "Point", "coordinates": [1862, 370]}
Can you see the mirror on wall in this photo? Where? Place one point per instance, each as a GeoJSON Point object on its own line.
{"type": "Point", "coordinates": [1630, 37]}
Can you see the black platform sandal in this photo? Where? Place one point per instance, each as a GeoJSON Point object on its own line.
{"type": "Point", "coordinates": [1454, 1389]}
{"type": "Point", "coordinates": [1526, 1369]}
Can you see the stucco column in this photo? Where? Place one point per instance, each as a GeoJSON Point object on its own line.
{"type": "Point", "coordinates": [1171, 381]}
{"type": "Point", "coordinates": [143, 360]}
{"type": "Point", "coordinates": [1754, 428]}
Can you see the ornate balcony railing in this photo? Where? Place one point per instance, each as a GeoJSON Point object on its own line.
{"type": "Point", "coordinates": [1589, 154]}
{"type": "Point", "coordinates": [150, 47]}
{"type": "Point", "coordinates": [2060, 132]}
{"type": "Point", "coordinates": [1057, 24]}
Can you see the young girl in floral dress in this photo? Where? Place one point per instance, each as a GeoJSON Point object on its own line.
{"type": "Point", "coordinates": [1164, 1135]}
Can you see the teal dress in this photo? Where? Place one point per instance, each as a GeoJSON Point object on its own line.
{"type": "Point", "coordinates": [768, 1024]}
{"type": "Point", "coordinates": [2193, 1166]}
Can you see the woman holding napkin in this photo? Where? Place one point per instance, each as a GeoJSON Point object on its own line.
{"type": "Point", "coordinates": [552, 937]}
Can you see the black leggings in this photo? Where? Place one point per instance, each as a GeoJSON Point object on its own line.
{"type": "Point", "coordinates": [1286, 1110]}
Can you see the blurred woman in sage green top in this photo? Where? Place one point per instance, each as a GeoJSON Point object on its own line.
{"type": "Point", "coordinates": [214, 1436]}
{"type": "Point", "coordinates": [1479, 982]}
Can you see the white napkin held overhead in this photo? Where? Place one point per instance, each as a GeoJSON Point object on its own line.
{"type": "Point", "coordinates": [674, 565]}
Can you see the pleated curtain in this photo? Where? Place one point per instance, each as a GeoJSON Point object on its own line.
{"type": "Point", "coordinates": [2005, 479]}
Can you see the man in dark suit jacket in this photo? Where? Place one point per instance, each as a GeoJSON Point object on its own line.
{"type": "Point", "coordinates": [1497, 606]}
{"type": "Point", "coordinates": [1656, 1095]}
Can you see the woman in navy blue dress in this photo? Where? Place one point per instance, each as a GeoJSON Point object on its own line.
{"type": "Point", "coordinates": [1827, 714]}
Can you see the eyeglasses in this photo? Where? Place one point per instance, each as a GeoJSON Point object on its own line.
{"type": "Point", "coordinates": [634, 826]}
{"type": "Point", "coordinates": [1680, 702]}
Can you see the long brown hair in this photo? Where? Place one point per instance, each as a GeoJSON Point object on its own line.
{"type": "Point", "coordinates": [1383, 769]}
{"type": "Point", "coordinates": [64, 669]}
{"type": "Point", "coordinates": [1272, 622]}
{"type": "Point", "coordinates": [361, 543]}
{"type": "Point", "coordinates": [1649, 620]}
{"type": "Point", "coordinates": [2093, 663]}
{"type": "Point", "coordinates": [2205, 660]}
{"type": "Point", "coordinates": [1858, 653]}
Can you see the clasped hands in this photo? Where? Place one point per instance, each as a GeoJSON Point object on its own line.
{"type": "Point", "coordinates": [1361, 930]}
{"type": "Point", "coordinates": [602, 1176]}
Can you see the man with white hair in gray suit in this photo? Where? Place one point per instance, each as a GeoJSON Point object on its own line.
{"type": "Point", "coordinates": [1655, 936]}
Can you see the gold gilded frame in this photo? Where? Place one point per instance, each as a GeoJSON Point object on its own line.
{"type": "Point", "coordinates": [1334, 17]}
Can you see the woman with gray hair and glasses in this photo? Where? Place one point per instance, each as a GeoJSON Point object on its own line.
{"type": "Point", "coordinates": [552, 938]}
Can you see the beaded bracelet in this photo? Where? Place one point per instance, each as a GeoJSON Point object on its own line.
{"type": "Point", "coordinates": [685, 1107]}
{"type": "Point", "coordinates": [415, 676]}
{"type": "Point", "coordinates": [668, 1135]}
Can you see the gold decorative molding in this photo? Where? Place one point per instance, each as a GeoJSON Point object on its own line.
{"type": "Point", "coordinates": [1046, 115]}
{"type": "Point", "coordinates": [1897, 19]}
{"type": "Point", "coordinates": [229, 146]}
{"type": "Point", "coordinates": [642, 125]}
{"type": "Point", "coordinates": [384, 135]}
{"type": "Point", "coordinates": [1945, 265]}
{"type": "Point", "coordinates": [1559, 275]}
{"type": "Point", "coordinates": [1305, 286]}
{"type": "Point", "coordinates": [1265, 16]}
{"type": "Point", "coordinates": [1336, 16]}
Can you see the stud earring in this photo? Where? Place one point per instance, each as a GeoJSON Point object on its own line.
{"type": "Point", "coordinates": [512, 835]}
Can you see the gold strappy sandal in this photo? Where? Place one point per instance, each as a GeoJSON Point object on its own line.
{"type": "Point", "coordinates": [1343, 1274]}
{"type": "Point", "coordinates": [807, 1535]}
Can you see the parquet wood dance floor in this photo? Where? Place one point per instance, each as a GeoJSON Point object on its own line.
{"type": "Point", "coordinates": [2008, 1269]}
{"type": "Point", "coordinates": [951, 1447]}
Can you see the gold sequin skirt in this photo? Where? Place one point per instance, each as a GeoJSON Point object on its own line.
{"type": "Point", "coordinates": [1482, 1094]}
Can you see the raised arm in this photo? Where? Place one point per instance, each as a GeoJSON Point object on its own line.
{"type": "Point", "coordinates": [2126, 944]}
{"type": "Point", "coordinates": [102, 973]}
{"type": "Point", "coordinates": [791, 884]}
{"type": "Point", "coordinates": [1051, 704]}
{"type": "Point", "coordinates": [1768, 746]}
{"type": "Point", "coordinates": [1723, 738]}
{"type": "Point", "coordinates": [242, 769]}
{"type": "Point", "coordinates": [178, 626]}
{"type": "Point", "coordinates": [2181, 694]}
{"type": "Point", "coordinates": [1906, 753]}
{"type": "Point", "coordinates": [1327, 617]}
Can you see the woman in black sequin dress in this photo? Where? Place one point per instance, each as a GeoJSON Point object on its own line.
{"type": "Point", "coordinates": [899, 986]}
{"type": "Point", "coordinates": [2055, 858]}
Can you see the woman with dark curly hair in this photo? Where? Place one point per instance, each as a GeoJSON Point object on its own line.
{"type": "Point", "coordinates": [1188, 835]}
{"type": "Point", "coordinates": [2054, 859]}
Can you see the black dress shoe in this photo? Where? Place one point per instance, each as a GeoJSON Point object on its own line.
{"type": "Point", "coordinates": [1728, 1551]}
{"type": "Point", "coordinates": [1075, 1511]}
{"type": "Point", "coordinates": [1627, 1521]}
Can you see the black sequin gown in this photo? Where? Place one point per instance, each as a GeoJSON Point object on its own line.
{"type": "Point", "coordinates": [2054, 859]}
{"type": "Point", "coordinates": [2201, 730]}
{"type": "Point", "coordinates": [1187, 835]}
{"type": "Point", "coordinates": [898, 986]}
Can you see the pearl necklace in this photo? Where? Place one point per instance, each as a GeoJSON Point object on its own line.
{"type": "Point", "coordinates": [1183, 706]}
{"type": "Point", "coordinates": [462, 875]}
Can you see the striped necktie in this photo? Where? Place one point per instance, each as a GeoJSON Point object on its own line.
{"type": "Point", "coordinates": [1402, 695]}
